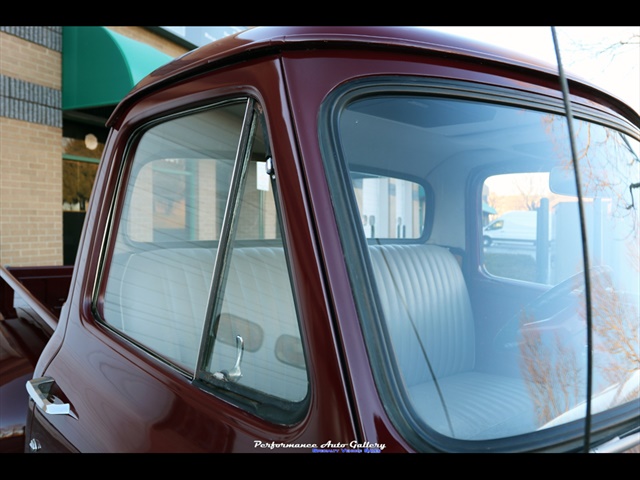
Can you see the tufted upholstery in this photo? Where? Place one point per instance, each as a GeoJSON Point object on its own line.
{"type": "Point", "coordinates": [426, 305]}
{"type": "Point", "coordinates": [423, 284]}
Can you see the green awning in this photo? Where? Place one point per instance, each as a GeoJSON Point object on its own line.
{"type": "Point", "coordinates": [99, 66]}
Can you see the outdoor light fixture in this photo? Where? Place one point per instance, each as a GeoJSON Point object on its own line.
{"type": "Point", "coordinates": [91, 141]}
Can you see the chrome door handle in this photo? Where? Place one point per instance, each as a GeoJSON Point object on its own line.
{"type": "Point", "coordinates": [39, 390]}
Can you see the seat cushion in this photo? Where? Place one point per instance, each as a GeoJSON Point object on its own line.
{"type": "Point", "coordinates": [478, 406]}
{"type": "Point", "coordinates": [159, 299]}
{"type": "Point", "coordinates": [428, 314]}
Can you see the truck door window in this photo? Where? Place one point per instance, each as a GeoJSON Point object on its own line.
{"type": "Point", "coordinates": [158, 279]}
{"type": "Point", "coordinates": [190, 204]}
{"type": "Point", "coordinates": [253, 348]}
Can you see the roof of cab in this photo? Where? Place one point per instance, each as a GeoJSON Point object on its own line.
{"type": "Point", "coordinates": [261, 40]}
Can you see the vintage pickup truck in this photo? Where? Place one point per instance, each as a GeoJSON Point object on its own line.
{"type": "Point", "coordinates": [284, 253]}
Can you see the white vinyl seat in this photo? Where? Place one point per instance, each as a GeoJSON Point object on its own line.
{"type": "Point", "coordinates": [428, 314]}
{"type": "Point", "coordinates": [159, 298]}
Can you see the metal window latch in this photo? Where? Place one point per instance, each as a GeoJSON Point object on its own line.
{"type": "Point", "coordinates": [269, 166]}
{"type": "Point", "coordinates": [235, 373]}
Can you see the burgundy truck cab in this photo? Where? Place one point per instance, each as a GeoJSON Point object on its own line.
{"type": "Point", "coordinates": [284, 253]}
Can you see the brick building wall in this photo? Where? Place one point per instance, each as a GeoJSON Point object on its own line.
{"type": "Point", "coordinates": [31, 217]}
{"type": "Point", "coordinates": [30, 145]}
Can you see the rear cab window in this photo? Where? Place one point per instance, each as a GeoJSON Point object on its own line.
{"type": "Point", "coordinates": [392, 208]}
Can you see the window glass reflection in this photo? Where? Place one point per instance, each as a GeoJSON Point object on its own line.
{"type": "Point", "coordinates": [488, 308]}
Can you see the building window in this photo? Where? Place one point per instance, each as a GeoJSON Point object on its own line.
{"type": "Point", "coordinates": [80, 159]}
